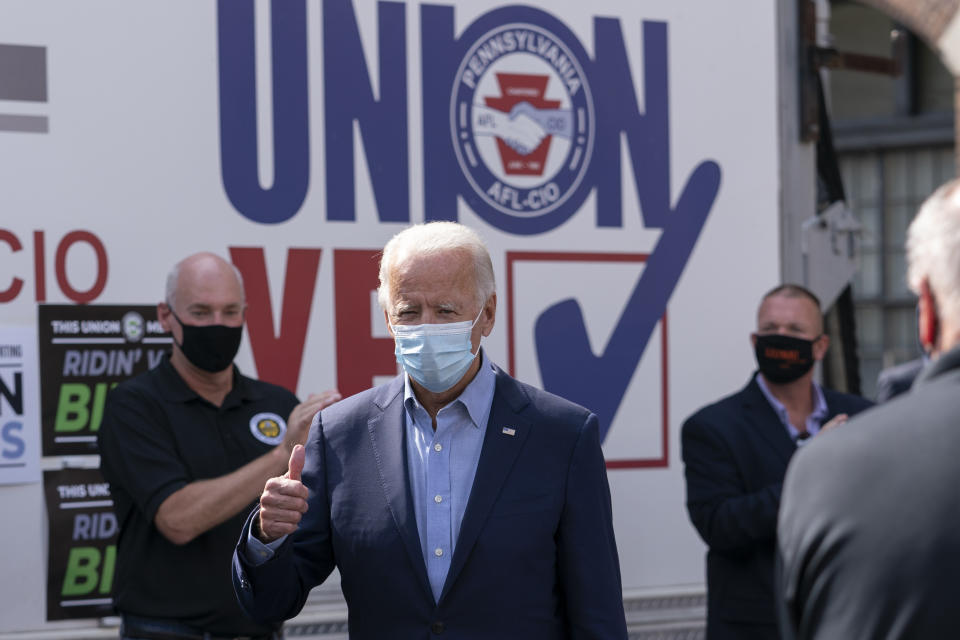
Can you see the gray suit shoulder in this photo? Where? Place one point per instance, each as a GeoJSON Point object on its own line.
{"type": "Point", "coordinates": [873, 428]}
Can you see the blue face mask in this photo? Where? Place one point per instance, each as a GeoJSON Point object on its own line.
{"type": "Point", "coordinates": [435, 355]}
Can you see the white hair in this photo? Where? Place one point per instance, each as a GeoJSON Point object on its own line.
{"type": "Point", "coordinates": [933, 248]}
{"type": "Point", "coordinates": [174, 276]}
{"type": "Point", "coordinates": [432, 238]}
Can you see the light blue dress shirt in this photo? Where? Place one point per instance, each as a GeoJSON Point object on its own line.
{"type": "Point", "coordinates": [815, 418]}
{"type": "Point", "coordinates": [441, 466]}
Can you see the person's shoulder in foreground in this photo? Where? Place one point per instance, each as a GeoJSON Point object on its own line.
{"type": "Point", "coordinates": [869, 532]}
{"type": "Point", "coordinates": [868, 535]}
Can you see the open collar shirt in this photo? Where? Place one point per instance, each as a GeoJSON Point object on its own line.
{"type": "Point", "coordinates": [814, 420]}
{"type": "Point", "coordinates": [441, 466]}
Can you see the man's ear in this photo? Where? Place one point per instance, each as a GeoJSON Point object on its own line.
{"type": "Point", "coordinates": [489, 315]}
{"type": "Point", "coordinates": [928, 325]}
{"type": "Point", "coordinates": [164, 315]}
{"type": "Point", "coordinates": [820, 346]}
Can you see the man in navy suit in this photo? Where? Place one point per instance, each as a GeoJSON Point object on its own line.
{"type": "Point", "coordinates": [454, 500]}
{"type": "Point", "coordinates": [736, 453]}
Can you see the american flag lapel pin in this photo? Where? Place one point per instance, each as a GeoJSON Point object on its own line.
{"type": "Point", "coordinates": [510, 431]}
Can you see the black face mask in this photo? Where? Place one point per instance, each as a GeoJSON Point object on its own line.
{"type": "Point", "coordinates": [209, 347]}
{"type": "Point", "coordinates": [783, 359]}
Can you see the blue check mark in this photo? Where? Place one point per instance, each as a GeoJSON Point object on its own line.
{"type": "Point", "coordinates": [568, 366]}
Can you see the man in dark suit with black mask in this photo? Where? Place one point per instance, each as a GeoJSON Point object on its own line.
{"type": "Point", "coordinates": [736, 453]}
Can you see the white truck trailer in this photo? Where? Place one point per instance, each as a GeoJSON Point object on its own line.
{"type": "Point", "coordinates": [635, 168]}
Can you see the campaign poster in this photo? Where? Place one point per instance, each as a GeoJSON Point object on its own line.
{"type": "Point", "coordinates": [86, 350]}
{"type": "Point", "coordinates": [19, 412]}
{"type": "Point", "coordinates": [83, 544]}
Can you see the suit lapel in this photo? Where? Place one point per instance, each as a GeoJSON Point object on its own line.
{"type": "Point", "coordinates": [504, 438]}
{"type": "Point", "coordinates": [386, 430]}
{"type": "Point", "coordinates": [764, 420]}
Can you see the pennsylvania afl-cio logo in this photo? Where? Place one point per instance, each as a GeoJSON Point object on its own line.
{"type": "Point", "coordinates": [268, 428]}
{"type": "Point", "coordinates": [522, 120]}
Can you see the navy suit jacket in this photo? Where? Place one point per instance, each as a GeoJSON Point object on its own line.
{"type": "Point", "coordinates": [736, 453]}
{"type": "Point", "coordinates": [536, 556]}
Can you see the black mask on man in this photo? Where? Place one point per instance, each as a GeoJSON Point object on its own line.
{"type": "Point", "coordinates": [209, 347]}
{"type": "Point", "coordinates": [783, 359]}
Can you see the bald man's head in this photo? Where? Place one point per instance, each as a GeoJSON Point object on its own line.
{"type": "Point", "coordinates": [204, 312]}
{"type": "Point", "coordinates": [204, 270]}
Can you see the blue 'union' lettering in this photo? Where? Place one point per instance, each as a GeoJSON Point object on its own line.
{"type": "Point", "coordinates": [238, 110]}
{"type": "Point", "coordinates": [349, 100]}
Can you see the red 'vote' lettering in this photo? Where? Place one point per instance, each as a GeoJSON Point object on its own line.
{"type": "Point", "coordinates": [278, 356]}
{"type": "Point", "coordinates": [360, 355]}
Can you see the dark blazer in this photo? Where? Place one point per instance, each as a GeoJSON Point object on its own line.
{"type": "Point", "coordinates": [736, 453]}
{"type": "Point", "coordinates": [869, 533]}
{"type": "Point", "coordinates": [536, 556]}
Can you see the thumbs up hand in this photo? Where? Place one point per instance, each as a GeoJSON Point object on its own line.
{"type": "Point", "coordinates": [283, 501]}
{"type": "Point", "coordinates": [297, 457]}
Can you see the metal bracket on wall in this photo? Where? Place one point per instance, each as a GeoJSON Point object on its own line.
{"type": "Point", "coordinates": [830, 243]}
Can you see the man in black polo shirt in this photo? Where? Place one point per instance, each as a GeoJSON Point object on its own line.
{"type": "Point", "coordinates": [187, 448]}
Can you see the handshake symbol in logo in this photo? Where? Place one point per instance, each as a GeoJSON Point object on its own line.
{"type": "Point", "coordinates": [524, 127]}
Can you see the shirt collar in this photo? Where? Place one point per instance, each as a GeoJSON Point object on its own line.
{"type": "Point", "coordinates": [933, 367]}
{"type": "Point", "coordinates": [476, 397]}
{"type": "Point", "coordinates": [176, 389]}
{"type": "Point", "coordinates": [819, 401]}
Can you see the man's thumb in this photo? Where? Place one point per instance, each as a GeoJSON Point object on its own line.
{"type": "Point", "coordinates": [297, 457]}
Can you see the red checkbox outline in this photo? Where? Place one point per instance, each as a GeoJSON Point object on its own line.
{"type": "Point", "coordinates": [554, 256]}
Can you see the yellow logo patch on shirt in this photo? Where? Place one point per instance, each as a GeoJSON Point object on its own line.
{"type": "Point", "coordinates": [268, 428]}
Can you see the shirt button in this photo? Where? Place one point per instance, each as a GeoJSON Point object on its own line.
{"type": "Point", "coordinates": [438, 447]}
{"type": "Point", "coordinates": [438, 552]}
{"type": "Point", "coordinates": [438, 498]}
